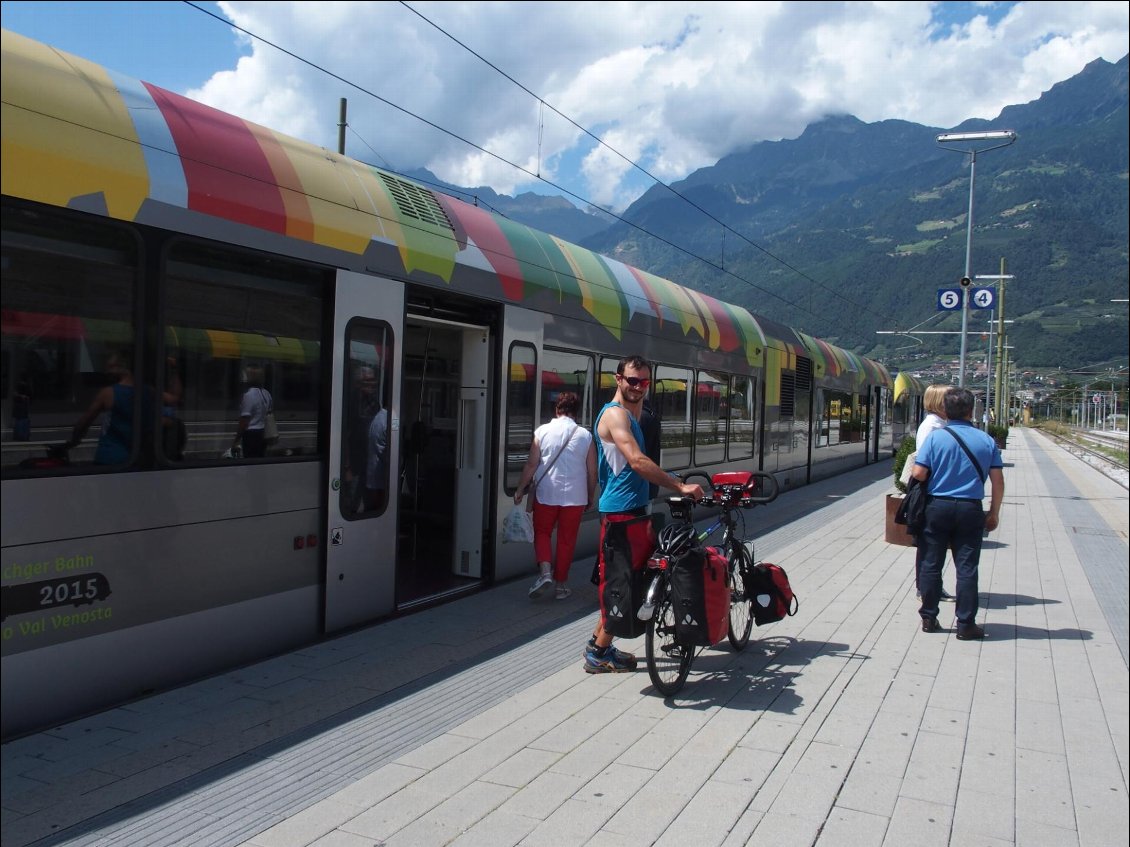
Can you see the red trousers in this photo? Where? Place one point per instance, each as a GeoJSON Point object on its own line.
{"type": "Point", "coordinates": [567, 520]}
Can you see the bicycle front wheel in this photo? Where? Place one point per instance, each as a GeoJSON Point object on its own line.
{"type": "Point", "coordinates": [738, 531]}
{"type": "Point", "coordinates": [668, 661]}
{"type": "Point", "coordinates": [741, 604]}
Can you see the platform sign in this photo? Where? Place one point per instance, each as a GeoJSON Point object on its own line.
{"type": "Point", "coordinates": [983, 298]}
{"type": "Point", "coordinates": [949, 299]}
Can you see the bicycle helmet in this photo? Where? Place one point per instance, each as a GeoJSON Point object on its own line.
{"type": "Point", "coordinates": [677, 539]}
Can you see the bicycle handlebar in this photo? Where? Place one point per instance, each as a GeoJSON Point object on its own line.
{"type": "Point", "coordinates": [759, 489]}
{"type": "Point", "coordinates": [760, 481]}
{"type": "Point", "coordinates": [686, 477]}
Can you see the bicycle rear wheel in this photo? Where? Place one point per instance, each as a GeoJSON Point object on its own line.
{"type": "Point", "coordinates": [668, 661]}
{"type": "Point", "coordinates": [741, 604]}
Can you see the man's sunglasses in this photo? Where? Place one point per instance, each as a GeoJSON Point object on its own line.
{"type": "Point", "coordinates": [635, 381]}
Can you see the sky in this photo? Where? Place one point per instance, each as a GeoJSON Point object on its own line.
{"type": "Point", "coordinates": [593, 100]}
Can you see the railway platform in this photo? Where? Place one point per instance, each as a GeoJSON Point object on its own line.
{"type": "Point", "coordinates": [473, 723]}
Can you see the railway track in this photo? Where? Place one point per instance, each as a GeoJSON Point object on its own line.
{"type": "Point", "coordinates": [1078, 445]}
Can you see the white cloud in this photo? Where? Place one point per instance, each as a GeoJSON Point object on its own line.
{"type": "Point", "coordinates": [674, 86]}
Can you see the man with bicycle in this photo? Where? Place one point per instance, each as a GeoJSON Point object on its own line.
{"type": "Point", "coordinates": [625, 472]}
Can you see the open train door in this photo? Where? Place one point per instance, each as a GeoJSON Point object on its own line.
{"type": "Point", "coordinates": [361, 516]}
{"type": "Point", "coordinates": [471, 454]}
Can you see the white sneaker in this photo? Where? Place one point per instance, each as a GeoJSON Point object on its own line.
{"type": "Point", "coordinates": [562, 592]}
{"type": "Point", "coordinates": [540, 585]}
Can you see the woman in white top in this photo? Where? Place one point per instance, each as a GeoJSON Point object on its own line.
{"type": "Point", "coordinates": [934, 402]}
{"type": "Point", "coordinates": [253, 410]}
{"type": "Point", "coordinates": [562, 467]}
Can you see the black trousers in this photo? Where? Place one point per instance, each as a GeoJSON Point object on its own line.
{"type": "Point", "coordinates": [957, 526]}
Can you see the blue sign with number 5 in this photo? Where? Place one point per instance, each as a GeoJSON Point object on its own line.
{"type": "Point", "coordinates": [949, 299]}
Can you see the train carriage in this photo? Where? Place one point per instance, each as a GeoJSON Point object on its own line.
{"type": "Point", "coordinates": [907, 410]}
{"type": "Point", "coordinates": [214, 258]}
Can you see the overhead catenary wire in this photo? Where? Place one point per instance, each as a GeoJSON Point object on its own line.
{"type": "Point", "coordinates": [719, 268]}
{"type": "Point", "coordinates": [725, 227]}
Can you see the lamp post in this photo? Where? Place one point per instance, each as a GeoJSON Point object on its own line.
{"type": "Point", "coordinates": [968, 142]}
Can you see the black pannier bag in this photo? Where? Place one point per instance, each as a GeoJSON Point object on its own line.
{"type": "Point", "coordinates": [700, 596]}
{"type": "Point", "coordinates": [626, 544]}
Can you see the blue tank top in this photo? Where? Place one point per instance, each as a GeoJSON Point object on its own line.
{"type": "Point", "coordinates": [116, 442]}
{"type": "Point", "coordinates": [621, 488]}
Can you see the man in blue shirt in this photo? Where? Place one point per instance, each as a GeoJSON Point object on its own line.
{"type": "Point", "coordinates": [624, 472]}
{"type": "Point", "coordinates": [952, 462]}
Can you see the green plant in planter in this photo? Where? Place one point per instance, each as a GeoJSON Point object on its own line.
{"type": "Point", "coordinates": [999, 434]}
{"type": "Point", "coordinates": [901, 455]}
{"type": "Point", "coordinates": [852, 428]}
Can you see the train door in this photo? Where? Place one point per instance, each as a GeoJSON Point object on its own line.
{"type": "Point", "coordinates": [444, 463]}
{"type": "Point", "coordinates": [522, 338]}
{"type": "Point", "coordinates": [364, 443]}
{"type": "Point", "coordinates": [879, 431]}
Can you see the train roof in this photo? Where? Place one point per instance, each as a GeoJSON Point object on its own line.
{"type": "Point", "coordinates": [907, 384]}
{"type": "Point", "coordinates": [78, 135]}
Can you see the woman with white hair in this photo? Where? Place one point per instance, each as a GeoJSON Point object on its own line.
{"type": "Point", "coordinates": [934, 402]}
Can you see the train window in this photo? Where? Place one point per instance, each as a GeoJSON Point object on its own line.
{"type": "Point", "coordinates": [243, 333]}
{"type": "Point", "coordinates": [521, 411]}
{"type": "Point", "coordinates": [821, 430]}
{"type": "Point", "coordinates": [671, 401]}
{"type": "Point", "coordinates": [711, 423]}
{"type": "Point", "coordinates": [844, 417]}
{"type": "Point", "coordinates": [607, 389]}
{"type": "Point", "coordinates": [365, 460]}
{"type": "Point", "coordinates": [68, 340]}
{"type": "Point", "coordinates": [564, 371]}
{"type": "Point", "coordinates": [741, 408]}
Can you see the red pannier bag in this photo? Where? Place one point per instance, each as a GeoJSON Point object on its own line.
{"type": "Point", "coordinates": [701, 597]}
{"type": "Point", "coordinates": [626, 544]}
{"type": "Point", "coordinates": [772, 596]}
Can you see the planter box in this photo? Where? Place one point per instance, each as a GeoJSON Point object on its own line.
{"type": "Point", "coordinates": [896, 533]}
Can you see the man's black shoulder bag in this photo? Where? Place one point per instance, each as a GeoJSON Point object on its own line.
{"type": "Point", "coordinates": [912, 510]}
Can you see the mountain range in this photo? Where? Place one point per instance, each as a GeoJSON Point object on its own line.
{"type": "Point", "coordinates": [849, 231]}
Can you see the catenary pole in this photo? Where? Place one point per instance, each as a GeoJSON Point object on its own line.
{"type": "Point", "coordinates": [1000, 345]}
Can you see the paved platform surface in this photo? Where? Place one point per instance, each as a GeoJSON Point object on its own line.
{"type": "Point", "coordinates": [473, 723]}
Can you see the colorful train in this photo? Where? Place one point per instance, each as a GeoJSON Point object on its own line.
{"type": "Point", "coordinates": [173, 258]}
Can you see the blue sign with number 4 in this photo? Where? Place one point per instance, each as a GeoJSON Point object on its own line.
{"type": "Point", "coordinates": [983, 298]}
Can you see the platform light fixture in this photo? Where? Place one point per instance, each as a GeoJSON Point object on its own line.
{"type": "Point", "coordinates": [970, 142]}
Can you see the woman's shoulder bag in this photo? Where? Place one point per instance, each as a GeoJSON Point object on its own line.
{"type": "Point", "coordinates": [270, 425]}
